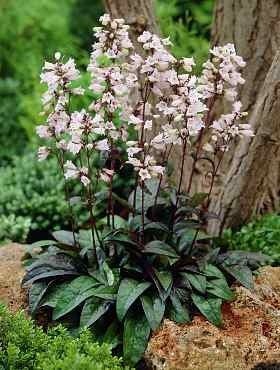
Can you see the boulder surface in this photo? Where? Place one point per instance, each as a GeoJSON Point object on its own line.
{"type": "Point", "coordinates": [248, 339]}
{"type": "Point", "coordinates": [11, 274]}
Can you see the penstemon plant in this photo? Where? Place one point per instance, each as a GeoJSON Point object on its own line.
{"type": "Point", "coordinates": [150, 256]}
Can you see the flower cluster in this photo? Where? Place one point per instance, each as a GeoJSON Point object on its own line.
{"type": "Point", "coordinates": [171, 106]}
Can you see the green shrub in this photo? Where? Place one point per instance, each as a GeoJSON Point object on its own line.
{"type": "Point", "coordinates": [24, 346]}
{"type": "Point", "coordinates": [31, 199]}
{"type": "Point", "coordinates": [13, 139]}
{"type": "Point", "coordinates": [262, 235]}
{"type": "Point", "coordinates": [188, 23]}
{"type": "Point", "coordinates": [24, 46]}
{"type": "Point", "coordinates": [14, 228]}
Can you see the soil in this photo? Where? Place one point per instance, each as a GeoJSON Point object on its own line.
{"type": "Point", "coordinates": [11, 274]}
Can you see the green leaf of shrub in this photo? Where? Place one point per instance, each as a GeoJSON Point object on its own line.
{"type": "Point", "coordinates": [64, 237]}
{"type": "Point", "coordinates": [213, 271]}
{"type": "Point", "coordinates": [36, 293]}
{"type": "Point", "coordinates": [242, 274]}
{"type": "Point", "coordinates": [165, 278]}
{"type": "Point", "coordinates": [129, 291]}
{"type": "Point", "coordinates": [178, 312]}
{"type": "Point", "coordinates": [104, 292]}
{"type": "Point", "coordinates": [135, 337]}
{"type": "Point", "coordinates": [161, 248]}
{"type": "Point", "coordinates": [112, 335]}
{"type": "Point", "coordinates": [93, 309]}
{"type": "Point", "coordinates": [197, 281]}
{"type": "Point", "coordinates": [220, 288]}
{"type": "Point", "coordinates": [72, 295]}
{"type": "Point", "coordinates": [154, 309]}
{"type": "Point", "coordinates": [209, 307]}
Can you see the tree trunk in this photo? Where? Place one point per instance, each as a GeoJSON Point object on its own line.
{"type": "Point", "coordinates": [254, 27]}
{"type": "Point", "coordinates": [138, 14]}
{"type": "Point", "coordinates": [255, 168]}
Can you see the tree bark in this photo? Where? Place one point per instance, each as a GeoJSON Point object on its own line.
{"type": "Point", "coordinates": [255, 168]}
{"type": "Point", "coordinates": [138, 14]}
{"type": "Point", "coordinates": [254, 27]}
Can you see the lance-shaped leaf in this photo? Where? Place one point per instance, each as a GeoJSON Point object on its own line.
{"type": "Point", "coordinates": [129, 291]}
{"type": "Point", "coordinates": [196, 280]}
{"type": "Point", "coordinates": [213, 272]}
{"type": "Point", "coordinates": [93, 309]}
{"type": "Point", "coordinates": [165, 278]}
{"type": "Point", "coordinates": [220, 288]}
{"type": "Point", "coordinates": [243, 274]}
{"type": "Point", "coordinates": [209, 307]}
{"type": "Point", "coordinates": [178, 312]}
{"type": "Point", "coordinates": [160, 248]}
{"type": "Point", "coordinates": [36, 293]}
{"type": "Point", "coordinates": [154, 309]}
{"type": "Point", "coordinates": [64, 237]}
{"type": "Point", "coordinates": [135, 337]}
{"type": "Point", "coordinates": [112, 335]}
{"type": "Point", "coordinates": [72, 295]}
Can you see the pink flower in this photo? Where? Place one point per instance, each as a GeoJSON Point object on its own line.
{"type": "Point", "coordinates": [43, 153]}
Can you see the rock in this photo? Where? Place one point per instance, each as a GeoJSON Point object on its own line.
{"type": "Point", "coordinates": [250, 336]}
{"type": "Point", "coordinates": [11, 274]}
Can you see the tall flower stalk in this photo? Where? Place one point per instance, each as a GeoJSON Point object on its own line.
{"type": "Point", "coordinates": [170, 97]}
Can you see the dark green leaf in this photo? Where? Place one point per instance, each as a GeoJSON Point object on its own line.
{"type": "Point", "coordinates": [129, 291]}
{"type": "Point", "coordinates": [209, 307]}
{"type": "Point", "coordinates": [213, 271]}
{"type": "Point", "coordinates": [105, 292]}
{"type": "Point", "coordinates": [64, 237]}
{"type": "Point", "coordinates": [74, 294]}
{"type": "Point", "coordinates": [112, 335]}
{"type": "Point", "coordinates": [154, 309]}
{"type": "Point", "coordinates": [178, 312]}
{"type": "Point", "coordinates": [135, 337]}
{"type": "Point", "coordinates": [220, 288]}
{"type": "Point", "coordinates": [151, 187]}
{"type": "Point", "coordinates": [242, 274]}
{"type": "Point", "coordinates": [157, 226]}
{"type": "Point", "coordinates": [50, 274]}
{"type": "Point", "coordinates": [59, 261]}
{"type": "Point", "coordinates": [42, 243]}
{"type": "Point", "coordinates": [109, 274]}
{"type": "Point", "coordinates": [197, 281]}
{"type": "Point", "coordinates": [161, 248]}
{"type": "Point", "coordinates": [165, 278]}
{"type": "Point", "coordinates": [93, 309]}
{"type": "Point", "coordinates": [85, 239]}
{"type": "Point", "coordinates": [36, 293]}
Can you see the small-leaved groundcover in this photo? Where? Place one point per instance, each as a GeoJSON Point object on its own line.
{"type": "Point", "coordinates": [150, 257]}
{"type": "Point", "coordinates": [26, 346]}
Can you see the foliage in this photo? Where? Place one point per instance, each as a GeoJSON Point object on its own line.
{"type": "Point", "coordinates": [261, 235]}
{"type": "Point", "coordinates": [188, 24]}
{"type": "Point", "coordinates": [15, 228]}
{"type": "Point", "coordinates": [149, 257]}
{"type": "Point", "coordinates": [22, 47]}
{"type": "Point", "coordinates": [12, 136]}
{"type": "Point", "coordinates": [32, 199]}
{"type": "Point", "coordinates": [83, 17]}
{"type": "Point", "coordinates": [25, 346]}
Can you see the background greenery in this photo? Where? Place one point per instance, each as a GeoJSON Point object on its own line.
{"type": "Point", "coordinates": [261, 235]}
